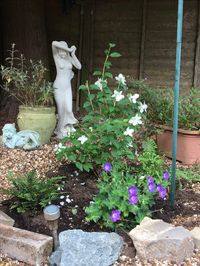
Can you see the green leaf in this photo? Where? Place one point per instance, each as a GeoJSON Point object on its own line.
{"type": "Point", "coordinates": [108, 75]}
{"type": "Point", "coordinates": [112, 45]}
{"type": "Point", "coordinates": [115, 54]}
{"type": "Point", "coordinates": [106, 51]}
{"type": "Point", "coordinates": [79, 166]}
{"type": "Point", "coordinates": [97, 73]}
{"type": "Point", "coordinates": [82, 87]}
{"type": "Point", "coordinates": [108, 64]}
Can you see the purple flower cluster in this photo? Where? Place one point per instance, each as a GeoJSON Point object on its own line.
{"type": "Point", "coordinates": [115, 216]}
{"type": "Point", "coordinates": [162, 191]}
{"type": "Point", "coordinates": [133, 197]}
{"type": "Point", "coordinates": [151, 184]}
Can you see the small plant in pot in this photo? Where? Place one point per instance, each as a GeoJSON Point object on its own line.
{"type": "Point", "coordinates": [160, 104]}
{"type": "Point", "coordinates": [25, 80]}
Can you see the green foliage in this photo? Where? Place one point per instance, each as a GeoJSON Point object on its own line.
{"type": "Point", "coordinates": [191, 174]}
{"type": "Point", "coordinates": [31, 193]}
{"type": "Point", "coordinates": [113, 190]}
{"type": "Point", "coordinates": [25, 80]}
{"type": "Point", "coordinates": [160, 105]}
{"type": "Point", "coordinates": [106, 122]}
{"type": "Point", "coordinates": [107, 134]}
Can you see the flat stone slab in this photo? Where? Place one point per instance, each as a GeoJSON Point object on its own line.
{"type": "Point", "coordinates": [79, 248]}
{"type": "Point", "coordinates": [25, 246]}
{"type": "Point", "coordinates": [5, 219]}
{"type": "Point", "coordinates": [155, 239]}
{"type": "Point", "coordinates": [196, 236]}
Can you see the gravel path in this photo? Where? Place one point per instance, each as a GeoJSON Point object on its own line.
{"type": "Point", "coordinates": [43, 160]}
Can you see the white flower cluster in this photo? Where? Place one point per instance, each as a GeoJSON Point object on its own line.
{"type": "Point", "coordinates": [58, 147]}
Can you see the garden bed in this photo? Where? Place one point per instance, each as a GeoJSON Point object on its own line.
{"type": "Point", "coordinates": [80, 187]}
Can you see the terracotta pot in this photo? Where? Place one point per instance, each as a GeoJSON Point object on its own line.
{"type": "Point", "coordinates": [40, 119]}
{"type": "Point", "coordinates": [188, 144]}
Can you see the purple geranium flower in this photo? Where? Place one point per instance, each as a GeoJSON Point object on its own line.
{"type": "Point", "coordinates": [150, 179]}
{"type": "Point", "coordinates": [115, 216]}
{"type": "Point", "coordinates": [159, 188]}
{"type": "Point", "coordinates": [166, 175]}
{"type": "Point", "coordinates": [132, 190]}
{"type": "Point", "coordinates": [107, 167]}
{"type": "Point", "coordinates": [133, 199]}
{"type": "Point", "coordinates": [163, 193]}
{"type": "Point", "coordinates": [151, 187]}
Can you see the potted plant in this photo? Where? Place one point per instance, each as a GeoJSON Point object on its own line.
{"type": "Point", "coordinates": [25, 80]}
{"type": "Point", "coordinates": [160, 113]}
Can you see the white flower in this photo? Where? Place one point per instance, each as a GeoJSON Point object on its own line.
{"type": "Point", "coordinates": [129, 132]}
{"type": "Point", "coordinates": [62, 203]}
{"type": "Point", "coordinates": [121, 79]}
{"type": "Point", "coordinates": [143, 107]}
{"type": "Point", "coordinates": [83, 139]}
{"type": "Point", "coordinates": [142, 177]}
{"type": "Point", "coordinates": [118, 95]}
{"type": "Point", "coordinates": [59, 147]}
{"type": "Point", "coordinates": [62, 197]}
{"type": "Point", "coordinates": [135, 120]}
{"type": "Point", "coordinates": [98, 83]}
{"type": "Point", "coordinates": [133, 98]}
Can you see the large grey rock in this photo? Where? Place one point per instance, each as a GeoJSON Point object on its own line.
{"type": "Point", "coordinates": [80, 248]}
{"type": "Point", "coordinates": [196, 236]}
{"type": "Point", "coordinates": [5, 219]}
{"type": "Point", "coordinates": [155, 239]}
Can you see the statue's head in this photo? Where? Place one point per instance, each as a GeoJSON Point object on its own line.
{"type": "Point", "coordinates": [9, 131]}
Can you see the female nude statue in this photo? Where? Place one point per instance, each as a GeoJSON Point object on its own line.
{"type": "Point", "coordinates": [65, 59]}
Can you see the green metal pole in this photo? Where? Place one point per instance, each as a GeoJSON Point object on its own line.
{"type": "Point", "coordinates": [176, 97]}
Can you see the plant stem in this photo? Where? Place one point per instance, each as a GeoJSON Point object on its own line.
{"type": "Point", "coordinates": [88, 89]}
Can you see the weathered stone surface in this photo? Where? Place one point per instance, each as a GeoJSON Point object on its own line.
{"type": "Point", "coordinates": [5, 219]}
{"type": "Point", "coordinates": [83, 248]}
{"type": "Point", "coordinates": [25, 246]}
{"type": "Point", "coordinates": [196, 236]}
{"type": "Point", "coordinates": [155, 239]}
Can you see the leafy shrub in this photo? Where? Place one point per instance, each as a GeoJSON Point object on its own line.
{"type": "Point", "coordinates": [25, 80]}
{"type": "Point", "coordinates": [31, 193]}
{"type": "Point", "coordinates": [129, 193]}
{"type": "Point", "coordinates": [161, 102]}
{"type": "Point", "coordinates": [111, 121]}
{"type": "Point", "coordinates": [107, 136]}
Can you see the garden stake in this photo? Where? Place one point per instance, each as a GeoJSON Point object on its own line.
{"type": "Point", "coordinates": [51, 215]}
{"type": "Point", "coordinates": [176, 97]}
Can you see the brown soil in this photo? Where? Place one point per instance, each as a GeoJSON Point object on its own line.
{"type": "Point", "coordinates": [81, 188]}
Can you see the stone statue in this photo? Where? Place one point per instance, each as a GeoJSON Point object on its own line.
{"type": "Point", "coordinates": [65, 59]}
{"type": "Point", "coordinates": [25, 139]}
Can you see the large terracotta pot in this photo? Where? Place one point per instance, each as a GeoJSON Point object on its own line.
{"type": "Point", "coordinates": [40, 119]}
{"type": "Point", "coordinates": [188, 144]}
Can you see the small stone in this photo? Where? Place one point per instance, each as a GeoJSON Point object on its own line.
{"type": "Point", "coordinates": [5, 219]}
{"type": "Point", "coordinates": [196, 236]}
